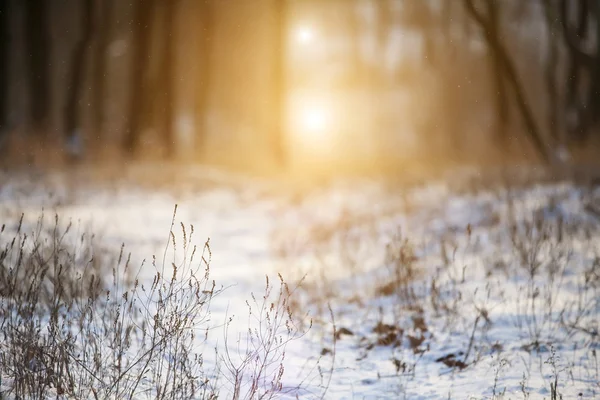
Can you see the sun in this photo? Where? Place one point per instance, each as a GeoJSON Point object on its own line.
{"type": "Point", "coordinates": [305, 35]}
{"type": "Point", "coordinates": [314, 120]}
{"type": "Point", "coordinates": [313, 123]}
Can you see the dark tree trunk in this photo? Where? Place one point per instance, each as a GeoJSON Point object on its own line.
{"type": "Point", "coordinates": [77, 76]}
{"type": "Point", "coordinates": [578, 63]}
{"type": "Point", "coordinates": [4, 62]}
{"type": "Point", "coordinates": [584, 111]}
{"type": "Point", "coordinates": [280, 87]}
{"type": "Point", "coordinates": [102, 34]}
{"type": "Point", "coordinates": [510, 73]}
{"type": "Point", "coordinates": [141, 36]}
{"type": "Point", "coordinates": [550, 69]}
{"type": "Point", "coordinates": [593, 95]}
{"type": "Point", "coordinates": [166, 78]}
{"type": "Point", "coordinates": [38, 44]}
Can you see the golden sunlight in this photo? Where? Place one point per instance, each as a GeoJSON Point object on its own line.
{"type": "Point", "coordinates": [305, 35]}
{"type": "Point", "coordinates": [313, 125]}
{"type": "Point", "coordinates": [314, 121]}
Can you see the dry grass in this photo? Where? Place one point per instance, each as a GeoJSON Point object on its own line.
{"type": "Point", "coordinates": [426, 286]}
{"type": "Point", "coordinates": [78, 321]}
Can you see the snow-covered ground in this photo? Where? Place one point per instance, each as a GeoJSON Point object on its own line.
{"type": "Point", "coordinates": [434, 294]}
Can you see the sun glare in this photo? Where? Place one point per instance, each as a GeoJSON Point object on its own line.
{"type": "Point", "coordinates": [305, 35]}
{"type": "Point", "coordinates": [315, 121]}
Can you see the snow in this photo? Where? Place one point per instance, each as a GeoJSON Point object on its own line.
{"type": "Point", "coordinates": [337, 237]}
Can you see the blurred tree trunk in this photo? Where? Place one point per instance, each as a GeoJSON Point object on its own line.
{"type": "Point", "coordinates": [357, 65]}
{"type": "Point", "coordinates": [102, 33]}
{"type": "Point", "coordinates": [385, 24]}
{"type": "Point", "coordinates": [205, 20]}
{"type": "Point", "coordinates": [578, 63]}
{"type": "Point", "coordinates": [510, 73]}
{"type": "Point", "coordinates": [141, 44]}
{"type": "Point", "coordinates": [165, 83]}
{"type": "Point", "coordinates": [4, 63]}
{"type": "Point", "coordinates": [550, 69]}
{"type": "Point", "coordinates": [427, 21]}
{"type": "Point", "coordinates": [500, 96]}
{"type": "Point", "coordinates": [448, 20]}
{"type": "Point", "coordinates": [278, 136]}
{"type": "Point", "coordinates": [380, 85]}
{"type": "Point", "coordinates": [583, 108]}
{"type": "Point", "coordinates": [37, 37]}
{"type": "Point", "coordinates": [77, 77]}
{"type": "Point", "coordinates": [446, 49]}
{"type": "Point", "coordinates": [594, 92]}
